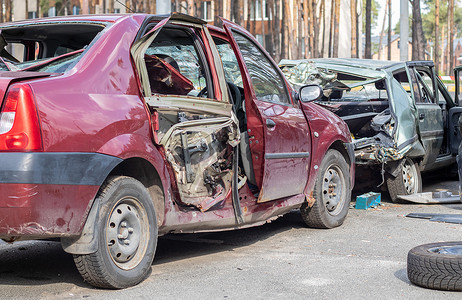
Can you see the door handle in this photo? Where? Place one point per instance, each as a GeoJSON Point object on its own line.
{"type": "Point", "coordinates": [421, 116]}
{"type": "Point", "coordinates": [270, 123]}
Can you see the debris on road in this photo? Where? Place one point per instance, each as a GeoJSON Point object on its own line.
{"type": "Point", "coordinates": [446, 218]}
{"type": "Point", "coordinates": [438, 197]}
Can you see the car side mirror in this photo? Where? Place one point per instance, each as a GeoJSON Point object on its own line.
{"type": "Point", "coordinates": [309, 93]}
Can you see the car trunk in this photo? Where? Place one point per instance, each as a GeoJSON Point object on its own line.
{"type": "Point", "coordinates": [6, 78]}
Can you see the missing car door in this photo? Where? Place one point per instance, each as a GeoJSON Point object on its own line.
{"type": "Point", "coordinates": [197, 132]}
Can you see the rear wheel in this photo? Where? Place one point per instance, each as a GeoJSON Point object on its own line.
{"type": "Point", "coordinates": [332, 193]}
{"type": "Point", "coordinates": [127, 236]}
{"type": "Point", "coordinates": [407, 182]}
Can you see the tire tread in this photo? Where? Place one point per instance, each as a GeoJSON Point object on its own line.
{"type": "Point", "coordinates": [317, 216]}
{"type": "Point", "coordinates": [433, 270]}
{"type": "Point", "coordinates": [90, 266]}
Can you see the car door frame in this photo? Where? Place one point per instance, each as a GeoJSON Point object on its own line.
{"type": "Point", "coordinates": [218, 107]}
{"type": "Point", "coordinates": [431, 132]}
{"type": "Point", "coordinates": [260, 126]}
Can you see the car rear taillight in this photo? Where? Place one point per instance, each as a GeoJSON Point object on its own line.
{"type": "Point", "coordinates": [19, 124]}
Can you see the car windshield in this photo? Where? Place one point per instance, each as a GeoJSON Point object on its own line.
{"type": "Point", "coordinates": [49, 47]}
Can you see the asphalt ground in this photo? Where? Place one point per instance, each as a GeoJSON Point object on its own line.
{"type": "Point", "coordinates": [364, 258]}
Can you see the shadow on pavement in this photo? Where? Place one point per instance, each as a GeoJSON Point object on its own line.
{"type": "Point", "coordinates": [174, 247]}
{"type": "Point", "coordinates": [37, 263]}
{"type": "Point", "coordinates": [45, 262]}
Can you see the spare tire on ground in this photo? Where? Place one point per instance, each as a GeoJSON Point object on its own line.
{"type": "Point", "coordinates": [436, 266]}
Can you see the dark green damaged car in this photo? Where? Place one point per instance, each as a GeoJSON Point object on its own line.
{"type": "Point", "coordinates": [400, 114]}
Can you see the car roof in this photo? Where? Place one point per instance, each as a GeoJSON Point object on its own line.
{"type": "Point", "coordinates": [105, 18]}
{"type": "Point", "coordinates": [370, 67]}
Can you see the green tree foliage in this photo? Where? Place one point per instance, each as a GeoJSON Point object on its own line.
{"type": "Point", "coordinates": [428, 17]}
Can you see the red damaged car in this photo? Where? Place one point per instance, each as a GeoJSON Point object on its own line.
{"type": "Point", "coordinates": [116, 129]}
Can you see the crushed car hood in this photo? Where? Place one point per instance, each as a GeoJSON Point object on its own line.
{"type": "Point", "coordinates": [396, 127]}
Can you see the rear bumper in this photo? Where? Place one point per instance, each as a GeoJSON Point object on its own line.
{"type": "Point", "coordinates": [48, 194]}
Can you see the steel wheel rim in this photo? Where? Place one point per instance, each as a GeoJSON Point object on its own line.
{"type": "Point", "coordinates": [410, 178]}
{"type": "Point", "coordinates": [450, 250]}
{"type": "Point", "coordinates": [333, 189]}
{"type": "Point", "coordinates": [127, 233]}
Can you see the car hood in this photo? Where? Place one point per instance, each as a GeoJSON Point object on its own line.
{"type": "Point", "coordinates": [403, 127]}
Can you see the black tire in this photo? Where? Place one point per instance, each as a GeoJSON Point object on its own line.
{"type": "Point", "coordinates": [332, 192]}
{"type": "Point", "coordinates": [127, 236]}
{"type": "Point", "coordinates": [408, 181]}
{"type": "Point", "coordinates": [436, 266]}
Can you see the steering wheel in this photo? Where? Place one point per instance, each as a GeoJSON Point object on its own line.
{"type": "Point", "coordinates": [203, 93]}
{"type": "Point", "coordinates": [237, 99]}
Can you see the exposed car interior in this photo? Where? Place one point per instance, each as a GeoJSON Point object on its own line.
{"type": "Point", "coordinates": [198, 143]}
{"type": "Point", "coordinates": [175, 66]}
{"type": "Point", "coordinates": [33, 46]}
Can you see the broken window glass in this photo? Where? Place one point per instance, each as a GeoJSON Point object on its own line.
{"type": "Point", "coordinates": [174, 65]}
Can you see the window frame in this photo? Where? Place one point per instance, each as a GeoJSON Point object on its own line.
{"type": "Point", "coordinates": [199, 46]}
{"type": "Point", "coordinates": [271, 62]}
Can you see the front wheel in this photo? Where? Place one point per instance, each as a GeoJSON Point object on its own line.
{"type": "Point", "coordinates": [127, 236]}
{"type": "Point", "coordinates": [332, 193]}
{"type": "Point", "coordinates": [407, 182]}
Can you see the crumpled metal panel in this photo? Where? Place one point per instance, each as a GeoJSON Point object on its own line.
{"type": "Point", "coordinates": [200, 153]}
{"type": "Point", "coordinates": [401, 128]}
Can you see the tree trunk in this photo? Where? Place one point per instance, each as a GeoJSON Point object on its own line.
{"type": "Point", "coordinates": [241, 12]}
{"type": "Point", "coordinates": [437, 38]}
{"type": "Point", "coordinates": [443, 38]}
{"type": "Point", "coordinates": [307, 28]}
{"type": "Point", "coordinates": [277, 30]}
{"type": "Point", "coordinates": [418, 45]}
{"type": "Point", "coordinates": [389, 31]}
{"type": "Point", "coordinates": [26, 15]}
{"type": "Point", "coordinates": [220, 8]}
{"type": "Point", "coordinates": [235, 9]}
{"type": "Point", "coordinates": [354, 23]}
{"type": "Point", "coordinates": [451, 36]}
{"type": "Point", "coordinates": [383, 30]}
{"type": "Point", "coordinates": [1, 11]}
{"type": "Point", "coordinates": [315, 27]}
{"type": "Point", "coordinates": [39, 11]}
{"type": "Point", "coordinates": [332, 12]}
{"type": "Point", "coordinates": [336, 28]}
{"type": "Point", "coordinates": [127, 5]}
{"type": "Point", "coordinates": [270, 28]}
{"type": "Point", "coordinates": [289, 30]}
{"type": "Point", "coordinates": [254, 22]}
{"type": "Point", "coordinates": [190, 7]}
{"type": "Point", "coordinates": [298, 13]}
{"type": "Point", "coordinates": [323, 16]}
{"type": "Point", "coordinates": [8, 7]}
{"type": "Point", "coordinates": [284, 43]}
{"type": "Point", "coordinates": [263, 24]}
{"type": "Point", "coordinates": [216, 12]}
{"type": "Point", "coordinates": [368, 50]}
{"type": "Point", "coordinates": [92, 6]}
{"type": "Point", "coordinates": [249, 10]}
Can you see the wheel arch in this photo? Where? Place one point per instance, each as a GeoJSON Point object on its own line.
{"type": "Point", "coordinates": [143, 171]}
{"type": "Point", "coordinates": [345, 148]}
{"type": "Point", "coordinates": [136, 167]}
